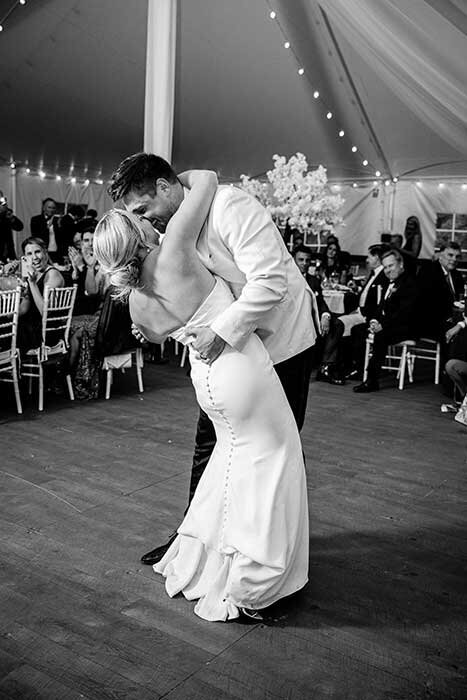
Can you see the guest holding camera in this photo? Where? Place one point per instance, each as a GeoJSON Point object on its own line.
{"type": "Point", "coordinates": [8, 223]}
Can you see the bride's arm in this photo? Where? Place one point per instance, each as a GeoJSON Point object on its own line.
{"type": "Point", "coordinates": [186, 223]}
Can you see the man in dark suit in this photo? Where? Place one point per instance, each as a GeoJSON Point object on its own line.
{"type": "Point", "coordinates": [43, 225]}
{"type": "Point", "coordinates": [334, 357]}
{"type": "Point", "coordinates": [67, 227]}
{"type": "Point", "coordinates": [323, 319]}
{"type": "Point", "coordinates": [439, 286]}
{"type": "Point", "coordinates": [393, 320]}
{"type": "Point", "coordinates": [8, 223]}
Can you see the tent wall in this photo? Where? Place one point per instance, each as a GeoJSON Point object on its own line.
{"type": "Point", "coordinates": [365, 216]}
{"type": "Point", "coordinates": [31, 190]}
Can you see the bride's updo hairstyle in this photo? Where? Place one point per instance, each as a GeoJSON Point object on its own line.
{"type": "Point", "coordinates": [118, 240]}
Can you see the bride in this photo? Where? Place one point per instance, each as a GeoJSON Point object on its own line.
{"type": "Point", "coordinates": [243, 543]}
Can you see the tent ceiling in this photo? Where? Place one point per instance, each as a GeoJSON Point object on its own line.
{"type": "Point", "coordinates": [72, 81]}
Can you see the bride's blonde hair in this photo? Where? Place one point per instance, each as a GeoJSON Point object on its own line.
{"type": "Point", "coordinates": [118, 239]}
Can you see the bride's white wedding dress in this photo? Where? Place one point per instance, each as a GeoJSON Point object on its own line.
{"type": "Point", "coordinates": [244, 539]}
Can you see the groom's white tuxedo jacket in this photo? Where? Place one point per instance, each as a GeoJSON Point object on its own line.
{"type": "Point", "coordinates": [240, 243]}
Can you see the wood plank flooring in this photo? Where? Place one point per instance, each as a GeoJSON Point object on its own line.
{"type": "Point", "coordinates": [86, 488]}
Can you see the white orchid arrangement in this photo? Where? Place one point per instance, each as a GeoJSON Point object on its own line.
{"type": "Point", "coordinates": [297, 196]}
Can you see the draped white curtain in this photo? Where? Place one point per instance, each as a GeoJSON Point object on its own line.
{"type": "Point", "coordinates": [417, 52]}
{"type": "Point", "coordinates": [160, 77]}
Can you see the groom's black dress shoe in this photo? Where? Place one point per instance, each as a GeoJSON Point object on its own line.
{"type": "Point", "coordinates": [155, 555]}
{"type": "Point", "coordinates": [366, 387]}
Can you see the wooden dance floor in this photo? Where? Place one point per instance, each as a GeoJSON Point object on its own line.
{"type": "Point", "coordinates": [87, 488]}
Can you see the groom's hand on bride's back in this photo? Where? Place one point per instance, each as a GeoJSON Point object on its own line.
{"type": "Point", "coordinates": [206, 343]}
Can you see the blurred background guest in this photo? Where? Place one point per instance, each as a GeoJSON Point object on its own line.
{"type": "Point", "coordinates": [8, 223]}
{"type": "Point", "coordinates": [413, 237]}
{"type": "Point", "coordinates": [65, 232]}
{"type": "Point", "coordinates": [334, 267]}
{"type": "Point", "coordinates": [88, 222]}
{"type": "Point", "coordinates": [92, 287]}
{"type": "Point", "coordinates": [44, 225]}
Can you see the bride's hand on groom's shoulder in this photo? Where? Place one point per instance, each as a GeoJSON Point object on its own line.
{"type": "Point", "coordinates": [206, 343]}
{"type": "Point", "coordinates": [137, 333]}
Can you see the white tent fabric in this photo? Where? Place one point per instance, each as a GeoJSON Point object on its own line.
{"type": "Point", "coordinates": [160, 77]}
{"type": "Point", "coordinates": [419, 55]}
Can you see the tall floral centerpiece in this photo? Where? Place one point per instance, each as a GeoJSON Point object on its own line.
{"type": "Point", "coordinates": [297, 196]}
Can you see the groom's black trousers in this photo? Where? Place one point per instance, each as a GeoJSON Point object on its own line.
{"type": "Point", "coordinates": [294, 375]}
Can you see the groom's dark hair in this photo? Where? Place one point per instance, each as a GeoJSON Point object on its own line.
{"type": "Point", "coordinates": [137, 171]}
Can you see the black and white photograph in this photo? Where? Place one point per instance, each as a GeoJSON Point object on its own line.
{"type": "Point", "coordinates": [233, 350]}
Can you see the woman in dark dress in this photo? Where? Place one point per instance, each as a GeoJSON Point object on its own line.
{"type": "Point", "coordinates": [39, 273]}
{"type": "Point", "coordinates": [413, 237]}
{"type": "Point", "coordinates": [333, 264]}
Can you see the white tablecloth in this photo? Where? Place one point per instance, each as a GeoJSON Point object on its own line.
{"type": "Point", "coordinates": [335, 300]}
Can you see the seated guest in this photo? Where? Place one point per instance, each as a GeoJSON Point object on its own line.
{"type": "Point", "coordinates": [368, 302]}
{"type": "Point", "coordinates": [345, 256]}
{"type": "Point", "coordinates": [333, 264]}
{"type": "Point", "coordinates": [439, 286]}
{"type": "Point", "coordinates": [92, 286]}
{"type": "Point", "coordinates": [77, 240]}
{"type": "Point", "coordinates": [410, 263]}
{"type": "Point", "coordinates": [8, 223]}
{"type": "Point", "coordinates": [44, 225]}
{"type": "Point", "coordinates": [392, 322]}
{"type": "Point", "coordinates": [39, 274]}
{"type": "Point", "coordinates": [302, 257]}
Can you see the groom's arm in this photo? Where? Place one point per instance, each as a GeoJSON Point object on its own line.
{"type": "Point", "coordinates": [248, 232]}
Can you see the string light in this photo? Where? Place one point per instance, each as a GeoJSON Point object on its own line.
{"type": "Point", "coordinates": [86, 182]}
{"type": "Point", "coordinates": [387, 182]}
{"type": "Point", "coordinates": [378, 173]}
{"type": "Point", "coordinates": [58, 178]}
{"type": "Point", "coordinates": [41, 174]}
{"type": "Point", "coordinates": [395, 179]}
{"type": "Point", "coordinates": [301, 72]}
{"type": "Point", "coordinates": [8, 13]}
{"type": "Point", "coordinates": [73, 181]}
{"type": "Point", "coordinates": [419, 183]}
{"type": "Point", "coordinates": [441, 185]}
{"type": "Point", "coordinates": [464, 186]}
{"type": "Point", "coordinates": [28, 170]}
{"type": "Point", "coordinates": [354, 184]}
{"type": "Point", "coordinates": [12, 165]}
{"type": "Point", "coordinates": [99, 182]}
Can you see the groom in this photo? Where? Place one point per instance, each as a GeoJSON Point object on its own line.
{"type": "Point", "coordinates": [240, 243]}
